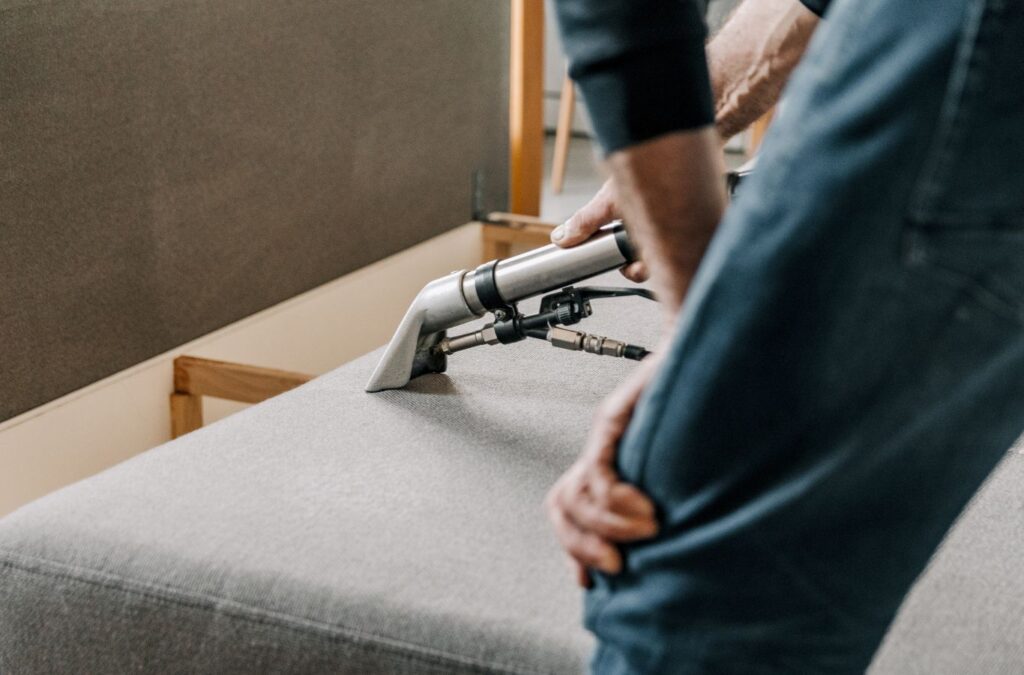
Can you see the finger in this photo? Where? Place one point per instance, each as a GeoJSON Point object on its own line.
{"type": "Point", "coordinates": [580, 573]}
{"type": "Point", "coordinates": [610, 423]}
{"type": "Point", "coordinates": [614, 414]}
{"type": "Point", "coordinates": [600, 520]}
{"type": "Point", "coordinates": [627, 500]}
{"type": "Point", "coordinates": [636, 271]}
{"type": "Point", "coordinates": [598, 481]}
{"type": "Point", "coordinates": [611, 508]}
{"type": "Point", "coordinates": [584, 223]}
{"type": "Point", "coordinates": [617, 496]}
{"type": "Point", "coordinates": [586, 548]}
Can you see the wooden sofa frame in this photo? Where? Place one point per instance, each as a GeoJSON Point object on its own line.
{"type": "Point", "coordinates": [195, 378]}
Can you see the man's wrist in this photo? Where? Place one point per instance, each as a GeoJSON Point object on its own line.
{"type": "Point", "coordinates": [671, 193]}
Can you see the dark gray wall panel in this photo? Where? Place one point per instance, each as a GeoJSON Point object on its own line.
{"type": "Point", "coordinates": [169, 167]}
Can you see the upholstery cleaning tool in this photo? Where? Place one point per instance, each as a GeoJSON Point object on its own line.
{"type": "Point", "coordinates": [421, 344]}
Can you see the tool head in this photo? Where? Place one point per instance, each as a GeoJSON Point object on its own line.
{"type": "Point", "coordinates": [495, 286]}
{"type": "Point", "coordinates": [438, 307]}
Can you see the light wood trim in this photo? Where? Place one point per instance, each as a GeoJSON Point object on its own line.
{"type": "Point", "coordinates": [195, 377]}
{"type": "Point", "coordinates": [526, 106]}
{"type": "Point", "coordinates": [518, 219]}
{"type": "Point", "coordinates": [186, 414]}
{"type": "Point", "coordinates": [494, 248]}
{"type": "Point", "coordinates": [233, 381]}
{"type": "Point", "coordinates": [563, 134]}
{"type": "Point", "coordinates": [499, 239]}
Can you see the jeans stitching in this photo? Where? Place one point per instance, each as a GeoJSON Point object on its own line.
{"type": "Point", "coordinates": [926, 217]}
{"type": "Point", "coordinates": [916, 259]}
{"type": "Point", "coordinates": [810, 591]}
{"type": "Point", "coordinates": [240, 610]}
{"type": "Point", "coordinates": [955, 108]}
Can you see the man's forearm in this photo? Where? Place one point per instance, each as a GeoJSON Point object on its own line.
{"type": "Point", "coordinates": [665, 160]}
{"type": "Point", "coordinates": [670, 189]}
{"type": "Point", "coordinates": [671, 193]}
{"type": "Point", "coordinates": [751, 59]}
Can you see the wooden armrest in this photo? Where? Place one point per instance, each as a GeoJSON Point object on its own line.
{"type": "Point", "coordinates": [195, 377]}
{"type": "Point", "coordinates": [502, 230]}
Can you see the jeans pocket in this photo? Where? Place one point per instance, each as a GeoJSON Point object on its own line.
{"type": "Point", "coordinates": [984, 263]}
{"type": "Point", "coordinates": [972, 178]}
{"type": "Point", "coordinates": [965, 223]}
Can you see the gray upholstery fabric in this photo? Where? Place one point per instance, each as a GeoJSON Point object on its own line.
{"type": "Point", "coordinates": [171, 166]}
{"type": "Point", "coordinates": [966, 613]}
{"type": "Point", "coordinates": [329, 530]}
{"type": "Point", "coordinates": [326, 530]}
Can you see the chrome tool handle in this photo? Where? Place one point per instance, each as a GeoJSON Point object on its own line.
{"type": "Point", "coordinates": [501, 283]}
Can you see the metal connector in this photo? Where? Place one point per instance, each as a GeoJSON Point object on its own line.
{"type": "Point", "coordinates": [564, 338]}
{"type": "Point", "coordinates": [484, 336]}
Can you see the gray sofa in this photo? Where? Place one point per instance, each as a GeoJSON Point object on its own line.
{"type": "Point", "coordinates": [330, 530]}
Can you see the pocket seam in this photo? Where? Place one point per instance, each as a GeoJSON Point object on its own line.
{"type": "Point", "coordinates": [917, 255]}
{"type": "Point", "coordinates": [925, 202]}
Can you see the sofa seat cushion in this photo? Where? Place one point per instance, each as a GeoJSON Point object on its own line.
{"type": "Point", "coordinates": [327, 530]}
{"type": "Point", "coordinates": [330, 530]}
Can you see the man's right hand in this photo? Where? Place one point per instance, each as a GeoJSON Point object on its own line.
{"type": "Point", "coordinates": [599, 211]}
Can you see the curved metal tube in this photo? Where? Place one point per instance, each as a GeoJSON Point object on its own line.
{"type": "Point", "coordinates": [453, 300]}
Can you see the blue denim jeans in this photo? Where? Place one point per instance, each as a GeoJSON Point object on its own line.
{"type": "Point", "coordinates": [849, 364]}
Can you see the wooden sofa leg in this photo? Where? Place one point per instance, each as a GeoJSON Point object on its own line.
{"type": "Point", "coordinates": [526, 106]}
{"type": "Point", "coordinates": [186, 414]}
{"type": "Point", "coordinates": [563, 134]}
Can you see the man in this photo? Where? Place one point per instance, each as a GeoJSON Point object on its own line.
{"type": "Point", "coordinates": [843, 358]}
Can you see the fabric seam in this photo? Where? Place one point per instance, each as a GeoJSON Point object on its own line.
{"type": "Point", "coordinates": [249, 613]}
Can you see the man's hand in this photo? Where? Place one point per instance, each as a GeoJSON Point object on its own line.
{"type": "Point", "coordinates": [591, 508]}
{"type": "Point", "coordinates": [749, 61]}
{"type": "Point", "coordinates": [599, 211]}
{"type": "Point", "coordinates": [669, 189]}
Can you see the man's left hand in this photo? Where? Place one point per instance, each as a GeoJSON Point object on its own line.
{"type": "Point", "coordinates": [591, 507]}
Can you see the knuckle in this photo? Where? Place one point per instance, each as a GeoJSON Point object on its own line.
{"type": "Point", "coordinates": [586, 552]}
{"type": "Point", "coordinates": [576, 546]}
{"type": "Point", "coordinates": [572, 488]}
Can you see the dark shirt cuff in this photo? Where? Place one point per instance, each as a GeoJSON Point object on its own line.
{"type": "Point", "coordinates": [647, 94]}
{"type": "Point", "coordinates": [816, 6]}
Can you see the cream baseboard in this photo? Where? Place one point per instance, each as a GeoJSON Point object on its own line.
{"type": "Point", "coordinates": [115, 418]}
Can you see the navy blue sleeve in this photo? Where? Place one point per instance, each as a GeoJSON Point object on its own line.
{"type": "Point", "coordinates": [816, 6]}
{"type": "Point", "coordinates": [640, 66]}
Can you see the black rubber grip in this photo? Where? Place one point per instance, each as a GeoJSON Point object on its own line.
{"type": "Point", "coordinates": [635, 353]}
{"type": "Point", "coordinates": [487, 287]}
{"type": "Point", "coordinates": [626, 247]}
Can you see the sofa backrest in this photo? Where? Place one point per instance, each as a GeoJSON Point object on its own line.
{"type": "Point", "coordinates": [170, 166]}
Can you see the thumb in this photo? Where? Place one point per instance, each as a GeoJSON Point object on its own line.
{"type": "Point", "coordinates": [584, 223]}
